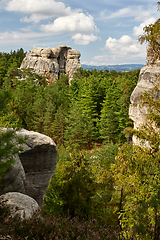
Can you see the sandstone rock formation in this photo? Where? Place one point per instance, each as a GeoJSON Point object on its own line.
{"type": "Point", "coordinates": [146, 82]}
{"type": "Point", "coordinates": [33, 169]}
{"type": "Point", "coordinates": [19, 204]}
{"type": "Point", "coordinates": [15, 179]}
{"type": "Point", "coordinates": [51, 62]}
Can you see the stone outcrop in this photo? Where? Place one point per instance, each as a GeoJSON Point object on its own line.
{"type": "Point", "coordinates": [18, 204]}
{"type": "Point", "coordinates": [33, 168]}
{"type": "Point", "coordinates": [51, 62]}
{"type": "Point", "coordinates": [14, 179]}
{"type": "Point", "coordinates": [146, 82]}
{"type": "Point", "coordinates": [39, 160]}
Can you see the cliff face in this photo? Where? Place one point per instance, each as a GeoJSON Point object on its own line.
{"type": "Point", "coordinates": [146, 82]}
{"type": "Point", "coordinates": [51, 62]}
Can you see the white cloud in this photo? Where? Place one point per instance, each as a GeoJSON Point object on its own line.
{"type": "Point", "coordinates": [125, 45]}
{"type": "Point", "coordinates": [136, 12]}
{"type": "Point", "coordinates": [64, 19]}
{"type": "Point", "coordinates": [123, 12]}
{"type": "Point", "coordinates": [121, 51]}
{"type": "Point", "coordinates": [38, 9]}
{"type": "Point", "coordinates": [127, 49]}
{"type": "Point", "coordinates": [84, 39]}
{"type": "Point", "coordinates": [137, 31]}
{"type": "Point", "coordinates": [19, 38]}
{"type": "Point", "coordinates": [38, 6]}
{"type": "Point", "coordinates": [34, 18]}
{"type": "Point", "coordinates": [78, 22]}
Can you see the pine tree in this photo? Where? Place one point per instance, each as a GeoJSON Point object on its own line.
{"type": "Point", "coordinates": [80, 128]}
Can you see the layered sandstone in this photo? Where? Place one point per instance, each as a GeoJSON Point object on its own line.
{"type": "Point", "coordinates": [51, 62]}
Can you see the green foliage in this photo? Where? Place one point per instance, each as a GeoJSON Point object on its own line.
{"type": "Point", "coordinates": [137, 174]}
{"type": "Point", "coordinates": [9, 141]}
{"type": "Point", "coordinates": [83, 185]}
{"type": "Point", "coordinates": [136, 171]}
{"type": "Point", "coordinates": [93, 109]}
{"type": "Point", "coordinates": [114, 114]}
{"type": "Point", "coordinates": [72, 186]}
{"type": "Point", "coordinates": [9, 146]}
{"type": "Point", "coordinates": [151, 36]}
{"type": "Point", "coordinates": [79, 129]}
{"type": "Point", "coordinates": [9, 62]}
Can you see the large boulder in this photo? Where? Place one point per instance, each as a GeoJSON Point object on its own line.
{"type": "Point", "coordinates": [39, 160]}
{"type": "Point", "coordinates": [51, 62]}
{"type": "Point", "coordinates": [33, 168]}
{"type": "Point", "coordinates": [18, 204]}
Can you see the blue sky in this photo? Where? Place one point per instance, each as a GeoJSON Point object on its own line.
{"type": "Point", "coordinates": [104, 31]}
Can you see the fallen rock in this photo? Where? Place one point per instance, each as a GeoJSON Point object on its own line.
{"type": "Point", "coordinates": [19, 204]}
{"type": "Point", "coordinates": [51, 62]}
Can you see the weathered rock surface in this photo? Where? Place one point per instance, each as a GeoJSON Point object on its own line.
{"type": "Point", "coordinates": [51, 62]}
{"type": "Point", "coordinates": [33, 168]}
{"type": "Point", "coordinates": [18, 203]}
{"type": "Point", "coordinates": [39, 160]}
{"type": "Point", "coordinates": [147, 81]}
{"type": "Point", "coordinates": [15, 179]}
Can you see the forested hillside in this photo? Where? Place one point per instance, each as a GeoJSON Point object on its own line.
{"type": "Point", "coordinates": [93, 109]}
{"type": "Point", "coordinates": [99, 175]}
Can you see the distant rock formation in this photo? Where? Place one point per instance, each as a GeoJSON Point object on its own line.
{"type": "Point", "coordinates": [51, 62]}
{"type": "Point", "coordinates": [146, 82]}
{"type": "Point", "coordinates": [33, 168]}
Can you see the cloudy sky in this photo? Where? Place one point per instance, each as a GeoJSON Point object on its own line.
{"type": "Point", "coordinates": [104, 31]}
